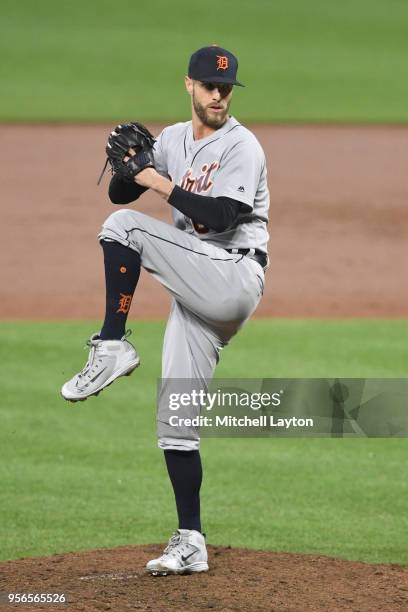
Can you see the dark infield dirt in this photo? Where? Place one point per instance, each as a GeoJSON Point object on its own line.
{"type": "Point", "coordinates": [238, 580]}
{"type": "Point", "coordinates": [338, 222]}
{"type": "Point", "coordinates": [339, 229]}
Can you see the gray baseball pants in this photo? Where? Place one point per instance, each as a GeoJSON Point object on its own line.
{"type": "Point", "coordinates": [214, 293]}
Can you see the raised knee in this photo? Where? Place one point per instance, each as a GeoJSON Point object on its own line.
{"type": "Point", "coordinates": [119, 217]}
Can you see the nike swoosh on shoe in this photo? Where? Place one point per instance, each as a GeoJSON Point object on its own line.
{"type": "Point", "coordinates": [91, 381]}
{"type": "Point", "coordinates": [188, 556]}
{"type": "Point", "coordinates": [98, 375]}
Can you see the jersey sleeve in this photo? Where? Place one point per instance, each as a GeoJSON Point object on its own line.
{"type": "Point", "coordinates": [239, 173]}
{"type": "Point", "coordinates": [160, 155]}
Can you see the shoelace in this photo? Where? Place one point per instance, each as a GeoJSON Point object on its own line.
{"type": "Point", "coordinates": [86, 370]}
{"type": "Point", "coordinates": [174, 541]}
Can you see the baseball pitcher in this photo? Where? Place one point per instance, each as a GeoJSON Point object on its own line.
{"type": "Point", "coordinates": [212, 172]}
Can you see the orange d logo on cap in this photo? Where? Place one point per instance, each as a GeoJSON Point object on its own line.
{"type": "Point", "coordinates": [222, 62]}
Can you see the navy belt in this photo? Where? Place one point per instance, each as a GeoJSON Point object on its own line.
{"type": "Point", "coordinates": [256, 254]}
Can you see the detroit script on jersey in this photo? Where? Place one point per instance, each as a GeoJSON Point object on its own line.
{"type": "Point", "coordinates": [228, 163]}
{"type": "Point", "coordinates": [200, 183]}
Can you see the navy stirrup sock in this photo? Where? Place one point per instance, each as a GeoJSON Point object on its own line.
{"type": "Point", "coordinates": [185, 471]}
{"type": "Point", "coordinates": [122, 271]}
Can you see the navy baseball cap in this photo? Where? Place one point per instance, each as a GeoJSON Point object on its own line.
{"type": "Point", "coordinates": [214, 65]}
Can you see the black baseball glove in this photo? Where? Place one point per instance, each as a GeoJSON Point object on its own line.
{"type": "Point", "coordinates": [127, 136]}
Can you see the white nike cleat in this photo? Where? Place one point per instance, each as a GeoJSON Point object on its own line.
{"type": "Point", "coordinates": [185, 553]}
{"type": "Point", "coordinates": [108, 359]}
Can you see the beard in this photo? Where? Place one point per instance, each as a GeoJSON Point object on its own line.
{"type": "Point", "coordinates": [208, 117]}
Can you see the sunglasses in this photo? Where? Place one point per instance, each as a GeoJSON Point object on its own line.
{"type": "Point", "coordinates": [223, 88]}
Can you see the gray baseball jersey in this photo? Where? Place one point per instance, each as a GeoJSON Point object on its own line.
{"type": "Point", "coordinates": [229, 163]}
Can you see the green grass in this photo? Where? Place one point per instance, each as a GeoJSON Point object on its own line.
{"type": "Point", "coordinates": [81, 476]}
{"type": "Point", "coordinates": [321, 60]}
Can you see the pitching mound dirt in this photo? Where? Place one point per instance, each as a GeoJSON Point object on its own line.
{"type": "Point", "coordinates": [238, 580]}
